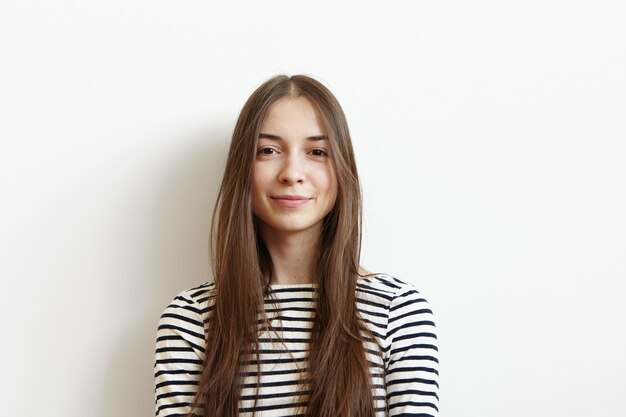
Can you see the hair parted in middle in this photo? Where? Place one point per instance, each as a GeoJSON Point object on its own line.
{"type": "Point", "coordinates": [338, 381]}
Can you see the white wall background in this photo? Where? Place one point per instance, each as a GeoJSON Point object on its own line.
{"type": "Point", "coordinates": [491, 139]}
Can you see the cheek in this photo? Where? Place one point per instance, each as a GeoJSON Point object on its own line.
{"type": "Point", "coordinates": [331, 186]}
{"type": "Point", "coordinates": [255, 190]}
{"type": "Point", "coordinates": [260, 184]}
{"type": "Point", "coordinates": [256, 180]}
{"type": "Point", "coordinates": [261, 175]}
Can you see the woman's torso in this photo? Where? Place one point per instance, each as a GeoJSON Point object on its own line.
{"type": "Point", "coordinates": [290, 310]}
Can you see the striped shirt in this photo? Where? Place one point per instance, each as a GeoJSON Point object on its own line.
{"type": "Point", "coordinates": [404, 380]}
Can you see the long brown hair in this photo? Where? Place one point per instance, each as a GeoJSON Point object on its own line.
{"type": "Point", "coordinates": [339, 380]}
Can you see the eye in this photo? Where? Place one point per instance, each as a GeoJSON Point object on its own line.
{"type": "Point", "coordinates": [319, 152]}
{"type": "Point", "coordinates": [266, 151]}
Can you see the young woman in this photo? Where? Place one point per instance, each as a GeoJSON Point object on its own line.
{"type": "Point", "coordinates": [292, 325]}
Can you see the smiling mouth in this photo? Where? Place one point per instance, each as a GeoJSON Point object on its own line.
{"type": "Point", "coordinates": [291, 201]}
{"type": "Point", "coordinates": [290, 197]}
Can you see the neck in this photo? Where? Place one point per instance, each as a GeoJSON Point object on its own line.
{"type": "Point", "coordinates": [294, 255]}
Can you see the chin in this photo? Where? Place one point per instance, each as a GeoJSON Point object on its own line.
{"type": "Point", "coordinates": [292, 227]}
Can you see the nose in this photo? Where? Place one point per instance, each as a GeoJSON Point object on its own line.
{"type": "Point", "coordinates": [291, 170]}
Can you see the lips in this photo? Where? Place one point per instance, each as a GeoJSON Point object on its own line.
{"type": "Point", "coordinates": [291, 201]}
{"type": "Point", "coordinates": [290, 197]}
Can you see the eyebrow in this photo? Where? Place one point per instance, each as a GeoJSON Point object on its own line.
{"type": "Point", "coordinates": [275, 137]}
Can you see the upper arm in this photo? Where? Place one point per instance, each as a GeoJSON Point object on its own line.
{"type": "Point", "coordinates": [178, 358]}
{"type": "Point", "coordinates": [411, 359]}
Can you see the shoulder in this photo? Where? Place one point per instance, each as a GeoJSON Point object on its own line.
{"type": "Point", "coordinates": [398, 300]}
{"type": "Point", "coordinates": [393, 301]}
{"type": "Point", "coordinates": [180, 347]}
{"type": "Point", "coordinates": [189, 308]}
{"type": "Point", "coordinates": [409, 316]}
{"type": "Point", "coordinates": [196, 295]}
{"type": "Point", "coordinates": [388, 290]}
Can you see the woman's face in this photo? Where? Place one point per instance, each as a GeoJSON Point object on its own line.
{"type": "Point", "coordinates": [293, 180]}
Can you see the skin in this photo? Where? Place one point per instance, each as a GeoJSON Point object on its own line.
{"type": "Point", "coordinates": [292, 160]}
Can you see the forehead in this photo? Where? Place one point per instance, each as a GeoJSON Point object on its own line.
{"type": "Point", "coordinates": [296, 115]}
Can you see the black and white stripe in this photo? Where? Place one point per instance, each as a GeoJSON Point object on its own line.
{"type": "Point", "coordinates": [405, 380]}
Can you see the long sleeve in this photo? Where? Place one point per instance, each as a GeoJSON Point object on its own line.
{"type": "Point", "coordinates": [411, 356]}
{"type": "Point", "coordinates": [179, 356]}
